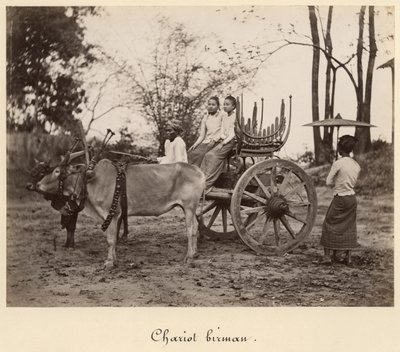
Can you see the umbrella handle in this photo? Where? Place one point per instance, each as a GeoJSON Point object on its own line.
{"type": "Point", "coordinates": [337, 142]}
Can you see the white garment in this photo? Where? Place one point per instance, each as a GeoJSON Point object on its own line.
{"type": "Point", "coordinates": [343, 175]}
{"type": "Point", "coordinates": [175, 151]}
{"type": "Point", "coordinates": [213, 127]}
{"type": "Point", "coordinates": [228, 126]}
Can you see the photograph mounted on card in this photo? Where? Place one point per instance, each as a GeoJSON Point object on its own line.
{"type": "Point", "coordinates": [158, 157]}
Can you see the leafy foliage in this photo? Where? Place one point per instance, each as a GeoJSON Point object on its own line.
{"type": "Point", "coordinates": [377, 170]}
{"type": "Point", "coordinates": [45, 48]}
{"type": "Point", "coordinates": [379, 144]}
{"type": "Point", "coordinates": [126, 144]}
{"type": "Point", "coordinates": [306, 158]}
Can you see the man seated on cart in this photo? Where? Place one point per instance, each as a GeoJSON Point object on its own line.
{"type": "Point", "coordinates": [174, 147]}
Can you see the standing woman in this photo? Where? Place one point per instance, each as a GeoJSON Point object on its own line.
{"type": "Point", "coordinates": [214, 160]}
{"type": "Point", "coordinates": [174, 147]}
{"type": "Point", "coordinates": [339, 230]}
{"type": "Point", "coordinates": [210, 133]}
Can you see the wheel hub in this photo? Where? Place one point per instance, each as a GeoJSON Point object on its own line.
{"type": "Point", "coordinates": [277, 206]}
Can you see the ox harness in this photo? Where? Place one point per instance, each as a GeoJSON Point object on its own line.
{"type": "Point", "coordinates": [68, 208]}
{"type": "Point", "coordinates": [75, 202]}
{"type": "Point", "coordinates": [120, 191]}
{"type": "Point", "coordinates": [72, 206]}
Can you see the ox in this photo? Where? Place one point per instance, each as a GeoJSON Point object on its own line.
{"type": "Point", "coordinates": [150, 190]}
{"type": "Point", "coordinates": [68, 219]}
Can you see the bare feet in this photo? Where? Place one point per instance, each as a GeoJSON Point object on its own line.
{"type": "Point", "coordinates": [326, 260]}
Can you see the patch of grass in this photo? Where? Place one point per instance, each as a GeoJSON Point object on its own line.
{"type": "Point", "coordinates": [377, 171]}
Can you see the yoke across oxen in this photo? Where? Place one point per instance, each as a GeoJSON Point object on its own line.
{"type": "Point", "coordinates": [150, 190]}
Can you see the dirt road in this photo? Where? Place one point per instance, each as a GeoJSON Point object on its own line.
{"type": "Point", "coordinates": [150, 271]}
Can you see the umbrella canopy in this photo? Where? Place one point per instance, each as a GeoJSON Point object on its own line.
{"type": "Point", "coordinates": [338, 121]}
{"type": "Point", "coordinates": [389, 63]}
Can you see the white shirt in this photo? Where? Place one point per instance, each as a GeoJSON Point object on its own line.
{"type": "Point", "coordinates": [343, 175]}
{"type": "Point", "coordinates": [228, 126]}
{"type": "Point", "coordinates": [213, 127]}
{"type": "Point", "coordinates": [175, 151]}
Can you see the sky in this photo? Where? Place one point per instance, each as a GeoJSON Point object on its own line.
{"type": "Point", "coordinates": [128, 33]}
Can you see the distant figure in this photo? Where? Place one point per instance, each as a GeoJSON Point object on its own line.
{"type": "Point", "coordinates": [174, 147]}
{"type": "Point", "coordinates": [210, 133]}
{"type": "Point", "coordinates": [215, 159]}
{"type": "Point", "coordinates": [339, 230]}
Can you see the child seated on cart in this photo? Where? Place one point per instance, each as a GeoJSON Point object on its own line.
{"type": "Point", "coordinates": [214, 160]}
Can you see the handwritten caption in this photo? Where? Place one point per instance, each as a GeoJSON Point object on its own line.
{"type": "Point", "coordinates": [165, 336]}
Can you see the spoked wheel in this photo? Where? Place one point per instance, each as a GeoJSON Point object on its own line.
{"type": "Point", "coordinates": [281, 201]}
{"type": "Point", "coordinates": [216, 222]}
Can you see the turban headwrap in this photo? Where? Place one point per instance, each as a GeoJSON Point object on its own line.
{"type": "Point", "coordinates": [176, 125]}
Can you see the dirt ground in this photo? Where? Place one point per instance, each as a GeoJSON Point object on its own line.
{"type": "Point", "coordinates": [150, 270]}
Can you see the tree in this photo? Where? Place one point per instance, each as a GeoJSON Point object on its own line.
{"type": "Point", "coordinates": [362, 88]}
{"type": "Point", "coordinates": [330, 84]}
{"type": "Point", "coordinates": [184, 70]}
{"type": "Point", "coordinates": [45, 48]}
{"type": "Point", "coordinates": [127, 144]}
{"type": "Point", "coordinates": [322, 146]}
{"type": "Point", "coordinates": [100, 90]}
{"type": "Point", "coordinates": [364, 101]}
{"type": "Point", "coordinates": [315, 79]}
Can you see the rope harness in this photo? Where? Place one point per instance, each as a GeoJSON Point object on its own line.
{"type": "Point", "coordinates": [120, 186]}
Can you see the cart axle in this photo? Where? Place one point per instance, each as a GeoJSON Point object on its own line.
{"type": "Point", "coordinates": [277, 206]}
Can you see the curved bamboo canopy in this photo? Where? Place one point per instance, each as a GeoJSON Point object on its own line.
{"type": "Point", "coordinates": [257, 139]}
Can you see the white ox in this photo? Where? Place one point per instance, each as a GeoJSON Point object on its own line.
{"type": "Point", "coordinates": [150, 189]}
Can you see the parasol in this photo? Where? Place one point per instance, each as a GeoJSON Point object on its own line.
{"type": "Point", "coordinates": [338, 122]}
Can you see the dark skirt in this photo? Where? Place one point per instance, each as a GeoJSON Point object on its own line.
{"type": "Point", "coordinates": [214, 162]}
{"type": "Point", "coordinates": [195, 157]}
{"type": "Point", "coordinates": [339, 230]}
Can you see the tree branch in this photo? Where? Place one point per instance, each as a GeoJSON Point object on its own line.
{"type": "Point", "coordinates": [340, 64]}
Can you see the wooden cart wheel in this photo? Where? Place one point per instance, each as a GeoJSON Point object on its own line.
{"type": "Point", "coordinates": [283, 203]}
{"type": "Point", "coordinates": [216, 222]}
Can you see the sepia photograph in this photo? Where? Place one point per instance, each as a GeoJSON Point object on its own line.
{"type": "Point", "coordinates": [207, 156]}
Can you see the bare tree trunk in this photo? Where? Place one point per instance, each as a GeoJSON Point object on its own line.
{"type": "Point", "coordinates": [315, 81]}
{"type": "Point", "coordinates": [392, 69]}
{"type": "Point", "coordinates": [360, 79]}
{"type": "Point", "coordinates": [328, 82]}
{"type": "Point", "coordinates": [364, 134]}
{"type": "Point", "coordinates": [329, 91]}
{"type": "Point", "coordinates": [332, 106]}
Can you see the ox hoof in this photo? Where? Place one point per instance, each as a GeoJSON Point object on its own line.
{"type": "Point", "coordinates": [123, 238]}
{"type": "Point", "coordinates": [68, 245]}
{"type": "Point", "coordinates": [109, 264]}
{"type": "Point", "coordinates": [189, 261]}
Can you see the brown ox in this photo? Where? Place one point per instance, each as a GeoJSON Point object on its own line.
{"type": "Point", "coordinates": [68, 220]}
{"type": "Point", "coordinates": [150, 190]}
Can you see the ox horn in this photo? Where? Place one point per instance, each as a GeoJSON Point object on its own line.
{"type": "Point", "coordinates": [109, 134]}
{"type": "Point", "coordinates": [67, 158]}
{"type": "Point", "coordinates": [76, 155]}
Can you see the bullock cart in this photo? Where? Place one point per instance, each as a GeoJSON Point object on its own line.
{"type": "Point", "coordinates": [269, 202]}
